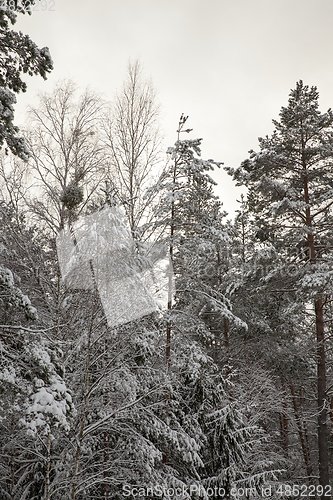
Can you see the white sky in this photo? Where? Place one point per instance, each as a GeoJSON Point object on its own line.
{"type": "Point", "coordinates": [229, 65]}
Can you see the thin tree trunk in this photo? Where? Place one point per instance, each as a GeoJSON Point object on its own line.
{"type": "Point", "coordinates": [284, 427]}
{"type": "Point", "coordinates": [321, 362]}
{"type": "Point", "coordinates": [306, 451]}
{"type": "Point", "coordinates": [168, 326]}
{"type": "Point", "coordinates": [226, 333]}
{"type": "Point", "coordinates": [284, 431]}
{"type": "Point", "coordinates": [12, 459]}
{"type": "Point", "coordinates": [284, 424]}
{"type": "Point", "coordinates": [106, 488]}
{"type": "Point", "coordinates": [172, 231]}
{"type": "Point", "coordinates": [86, 401]}
{"type": "Point", "coordinates": [168, 332]}
{"type": "Point", "coordinates": [306, 435]}
{"type": "Point", "coordinates": [106, 460]}
{"type": "Point", "coordinates": [322, 406]}
{"type": "Point", "coordinates": [48, 466]}
{"type": "Point", "coordinates": [225, 321]}
{"type": "Point", "coordinates": [57, 333]}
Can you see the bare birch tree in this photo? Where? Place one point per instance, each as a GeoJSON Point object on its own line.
{"type": "Point", "coordinates": [133, 143]}
{"type": "Point", "coordinates": [67, 160]}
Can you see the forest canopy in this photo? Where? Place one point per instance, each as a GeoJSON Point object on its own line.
{"type": "Point", "coordinates": [150, 345]}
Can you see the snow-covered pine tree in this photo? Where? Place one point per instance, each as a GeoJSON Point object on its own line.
{"type": "Point", "coordinates": [290, 190]}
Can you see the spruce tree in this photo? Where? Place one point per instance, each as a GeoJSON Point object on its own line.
{"type": "Point", "coordinates": [190, 218]}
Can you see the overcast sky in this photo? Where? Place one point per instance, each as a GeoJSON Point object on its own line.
{"type": "Point", "coordinates": [229, 65]}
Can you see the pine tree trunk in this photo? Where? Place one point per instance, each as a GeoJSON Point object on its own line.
{"type": "Point", "coordinates": [322, 407]}
{"type": "Point", "coordinates": [321, 362]}
{"type": "Point", "coordinates": [306, 451]}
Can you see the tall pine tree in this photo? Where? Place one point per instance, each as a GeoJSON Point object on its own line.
{"type": "Point", "coordinates": [290, 185]}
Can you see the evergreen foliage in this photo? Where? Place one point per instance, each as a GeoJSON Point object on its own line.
{"type": "Point", "coordinates": [19, 54]}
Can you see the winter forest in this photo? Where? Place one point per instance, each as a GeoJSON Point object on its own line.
{"type": "Point", "coordinates": [150, 346]}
